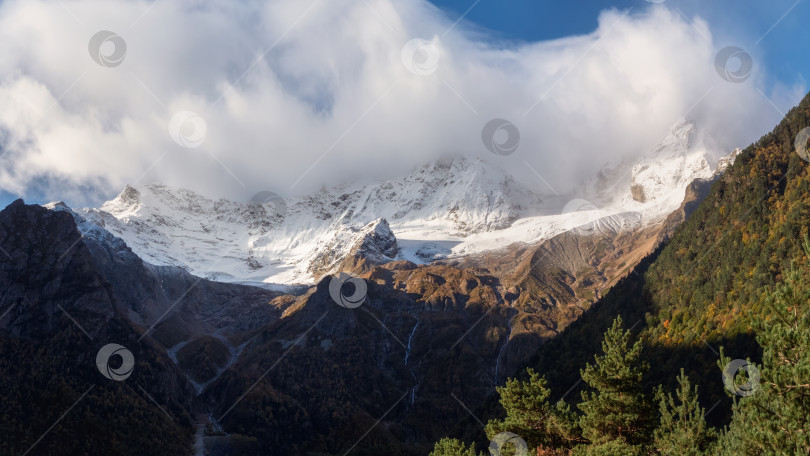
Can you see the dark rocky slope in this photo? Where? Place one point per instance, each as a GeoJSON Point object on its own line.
{"type": "Point", "coordinates": [57, 311]}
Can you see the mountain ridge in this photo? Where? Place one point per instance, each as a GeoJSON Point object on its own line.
{"type": "Point", "coordinates": [451, 322]}
{"type": "Point", "coordinates": [450, 208]}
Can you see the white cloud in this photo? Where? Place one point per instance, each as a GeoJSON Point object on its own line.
{"type": "Point", "coordinates": [296, 94]}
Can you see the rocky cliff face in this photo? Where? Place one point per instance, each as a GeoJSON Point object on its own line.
{"type": "Point", "coordinates": [376, 245]}
{"type": "Point", "coordinates": [356, 250]}
{"type": "Point", "coordinates": [46, 266]}
{"type": "Point", "coordinates": [168, 295]}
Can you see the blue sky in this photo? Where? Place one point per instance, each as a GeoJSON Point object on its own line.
{"type": "Point", "coordinates": [740, 22]}
{"type": "Point", "coordinates": [772, 32]}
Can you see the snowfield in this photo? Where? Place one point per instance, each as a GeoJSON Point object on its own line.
{"type": "Point", "coordinates": [448, 208]}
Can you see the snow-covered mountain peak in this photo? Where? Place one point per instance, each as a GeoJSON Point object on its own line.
{"type": "Point", "coordinates": [158, 205]}
{"type": "Point", "coordinates": [675, 162]}
{"type": "Point", "coordinates": [127, 202]}
{"type": "Point", "coordinates": [725, 162]}
{"type": "Point", "coordinates": [460, 193]}
{"type": "Point", "coordinates": [440, 204]}
{"type": "Point", "coordinates": [677, 142]}
{"type": "Point", "coordinates": [448, 208]}
{"type": "Point", "coordinates": [658, 176]}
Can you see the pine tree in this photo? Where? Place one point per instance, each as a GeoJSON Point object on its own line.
{"type": "Point", "coordinates": [452, 447]}
{"type": "Point", "coordinates": [617, 415]}
{"type": "Point", "coordinates": [683, 430]}
{"type": "Point", "coordinates": [530, 415]}
{"type": "Point", "coordinates": [617, 447]}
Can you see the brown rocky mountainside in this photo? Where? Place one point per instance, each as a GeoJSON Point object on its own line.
{"type": "Point", "coordinates": [429, 342]}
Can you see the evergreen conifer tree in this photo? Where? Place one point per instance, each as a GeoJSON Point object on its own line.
{"type": "Point", "coordinates": [530, 415]}
{"type": "Point", "coordinates": [452, 447]}
{"type": "Point", "coordinates": [617, 415]}
{"type": "Point", "coordinates": [683, 430]}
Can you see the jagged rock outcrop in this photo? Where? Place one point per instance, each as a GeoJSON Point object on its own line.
{"type": "Point", "coordinates": [375, 245]}
{"type": "Point", "coordinates": [356, 250]}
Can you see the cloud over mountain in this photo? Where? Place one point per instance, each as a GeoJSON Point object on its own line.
{"type": "Point", "coordinates": [292, 95]}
